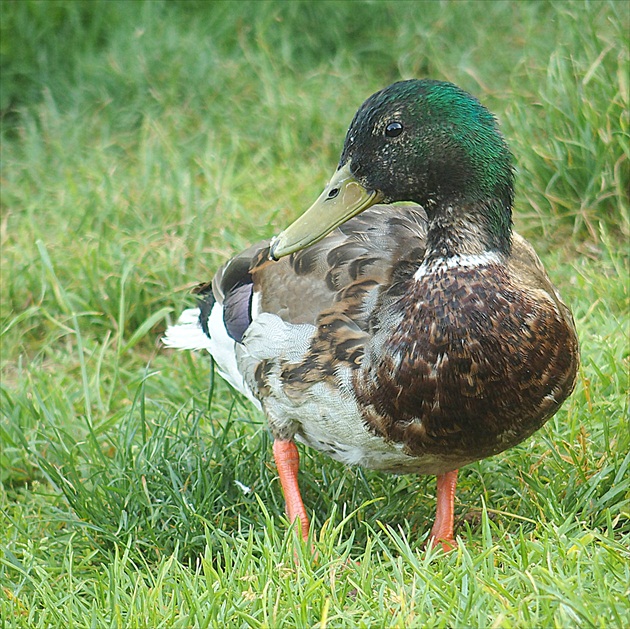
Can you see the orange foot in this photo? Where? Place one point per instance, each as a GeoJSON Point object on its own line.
{"type": "Point", "coordinates": [442, 531]}
{"type": "Point", "coordinates": [287, 460]}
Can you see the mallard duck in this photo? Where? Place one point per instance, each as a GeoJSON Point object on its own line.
{"type": "Point", "coordinates": [409, 338]}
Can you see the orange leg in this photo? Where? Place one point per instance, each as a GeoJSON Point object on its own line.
{"type": "Point", "coordinates": [442, 531]}
{"type": "Point", "coordinates": [287, 460]}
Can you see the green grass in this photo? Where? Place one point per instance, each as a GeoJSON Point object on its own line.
{"type": "Point", "coordinates": [144, 143]}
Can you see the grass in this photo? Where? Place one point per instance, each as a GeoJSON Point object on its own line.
{"type": "Point", "coordinates": [142, 144]}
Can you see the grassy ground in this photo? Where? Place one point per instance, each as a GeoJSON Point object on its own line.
{"type": "Point", "coordinates": [143, 143]}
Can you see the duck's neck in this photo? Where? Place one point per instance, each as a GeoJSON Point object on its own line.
{"type": "Point", "coordinates": [473, 230]}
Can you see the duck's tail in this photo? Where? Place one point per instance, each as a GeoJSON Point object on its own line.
{"type": "Point", "coordinates": [191, 330]}
{"type": "Point", "coordinates": [187, 332]}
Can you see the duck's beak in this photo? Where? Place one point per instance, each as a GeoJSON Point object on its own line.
{"type": "Point", "coordinates": [343, 198]}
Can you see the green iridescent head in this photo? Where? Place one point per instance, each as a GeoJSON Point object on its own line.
{"type": "Point", "coordinates": [424, 141]}
{"type": "Point", "coordinates": [429, 142]}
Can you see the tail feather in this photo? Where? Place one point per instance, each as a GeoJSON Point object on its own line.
{"type": "Point", "coordinates": [205, 301]}
{"type": "Point", "coordinates": [187, 333]}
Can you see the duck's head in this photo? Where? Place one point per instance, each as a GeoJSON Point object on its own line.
{"type": "Point", "coordinates": [420, 140]}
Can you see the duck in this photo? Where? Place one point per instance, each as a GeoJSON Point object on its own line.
{"type": "Point", "coordinates": [400, 323]}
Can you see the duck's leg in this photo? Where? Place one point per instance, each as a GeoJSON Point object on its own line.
{"type": "Point", "coordinates": [442, 531]}
{"type": "Point", "coordinates": [287, 460]}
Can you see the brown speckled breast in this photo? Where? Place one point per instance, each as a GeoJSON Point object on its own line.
{"type": "Point", "coordinates": [473, 366]}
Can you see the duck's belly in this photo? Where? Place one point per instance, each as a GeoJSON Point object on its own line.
{"type": "Point", "coordinates": [329, 420]}
{"type": "Point", "coordinates": [322, 414]}
{"type": "Point", "coordinates": [374, 453]}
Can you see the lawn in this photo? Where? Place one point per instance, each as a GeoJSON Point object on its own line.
{"type": "Point", "coordinates": [143, 143]}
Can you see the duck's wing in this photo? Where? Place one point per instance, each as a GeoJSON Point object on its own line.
{"type": "Point", "coordinates": [328, 291]}
{"type": "Point", "coordinates": [529, 273]}
{"type": "Point", "coordinates": [361, 256]}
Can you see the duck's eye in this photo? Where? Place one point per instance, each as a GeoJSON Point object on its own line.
{"type": "Point", "coordinates": [393, 129]}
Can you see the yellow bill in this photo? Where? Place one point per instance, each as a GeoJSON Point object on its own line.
{"type": "Point", "coordinates": [343, 198]}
